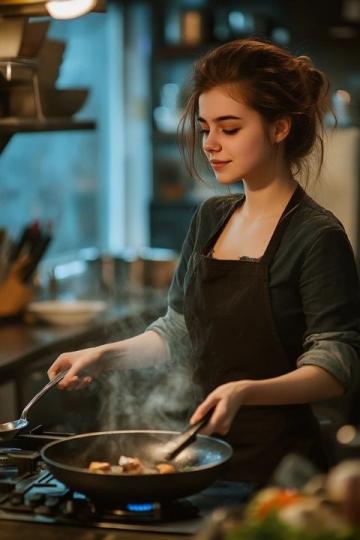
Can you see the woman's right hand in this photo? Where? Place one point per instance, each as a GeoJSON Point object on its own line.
{"type": "Point", "coordinates": [79, 363]}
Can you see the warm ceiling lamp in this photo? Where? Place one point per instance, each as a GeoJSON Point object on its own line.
{"type": "Point", "coordinates": [69, 9]}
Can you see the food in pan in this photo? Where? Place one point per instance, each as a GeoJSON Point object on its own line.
{"type": "Point", "coordinates": [130, 466]}
{"type": "Point", "coordinates": [99, 466]}
{"type": "Point", "coordinates": [165, 468]}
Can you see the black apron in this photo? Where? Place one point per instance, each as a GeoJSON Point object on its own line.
{"type": "Point", "coordinates": [229, 317]}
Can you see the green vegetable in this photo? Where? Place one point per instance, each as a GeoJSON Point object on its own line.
{"type": "Point", "coordinates": [271, 528]}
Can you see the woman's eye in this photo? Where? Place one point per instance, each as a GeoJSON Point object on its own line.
{"type": "Point", "coordinates": [205, 132]}
{"type": "Point", "coordinates": [230, 131]}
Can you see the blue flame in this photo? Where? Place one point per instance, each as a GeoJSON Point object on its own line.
{"type": "Point", "coordinates": [140, 507]}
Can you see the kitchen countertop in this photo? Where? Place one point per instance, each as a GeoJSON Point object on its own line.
{"type": "Point", "coordinates": [22, 343]}
{"type": "Point", "coordinates": [28, 531]}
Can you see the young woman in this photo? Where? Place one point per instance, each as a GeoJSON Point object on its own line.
{"type": "Point", "coordinates": [266, 293]}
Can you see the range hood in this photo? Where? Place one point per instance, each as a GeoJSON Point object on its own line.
{"type": "Point", "coordinates": [35, 8]}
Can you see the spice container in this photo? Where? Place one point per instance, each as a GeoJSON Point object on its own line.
{"type": "Point", "coordinates": [192, 27]}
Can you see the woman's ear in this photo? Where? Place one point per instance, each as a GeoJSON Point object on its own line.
{"type": "Point", "coordinates": [281, 128]}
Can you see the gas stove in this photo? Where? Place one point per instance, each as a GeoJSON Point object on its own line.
{"type": "Point", "coordinates": [30, 493]}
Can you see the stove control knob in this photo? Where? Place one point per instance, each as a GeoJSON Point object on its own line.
{"type": "Point", "coordinates": [42, 509]}
{"type": "Point", "coordinates": [16, 499]}
{"type": "Point", "coordinates": [76, 507]}
{"type": "Point", "coordinates": [35, 499]}
{"type": "Point", "coordinates": [68, 508]}
{"type": "Point", "coordinates": [52, 501]}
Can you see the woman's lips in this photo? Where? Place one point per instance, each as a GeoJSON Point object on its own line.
{"type": "Point", "coordinates": [217, 165]}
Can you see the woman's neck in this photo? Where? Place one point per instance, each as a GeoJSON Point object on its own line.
{"type": "Point", "coordinates": [269, 200]}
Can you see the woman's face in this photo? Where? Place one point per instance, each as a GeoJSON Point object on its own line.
{"type": "Point", "coordinates": [235, 137]}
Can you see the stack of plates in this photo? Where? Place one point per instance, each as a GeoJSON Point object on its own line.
{"type": "Point", "coordinates": [66, 312]}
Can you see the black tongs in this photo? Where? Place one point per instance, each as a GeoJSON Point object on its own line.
{"type": "Point", "coordinates": [184, 439]}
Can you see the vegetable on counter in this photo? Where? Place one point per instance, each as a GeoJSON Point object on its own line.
{"type": "Point", "coordinates": [273, 528]}
{"type": "Point", "coordinates": [330, 513]}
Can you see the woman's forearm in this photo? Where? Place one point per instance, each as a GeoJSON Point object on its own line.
{"type": "Point", "coordinates": [306, 384]}
{"type": "Point", "coordinates": [147, 349]}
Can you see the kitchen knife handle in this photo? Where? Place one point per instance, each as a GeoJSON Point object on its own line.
{"type": "Point", "coordinates": [35, 256]}
{"type": "Point", "coordinates": [19, 245]}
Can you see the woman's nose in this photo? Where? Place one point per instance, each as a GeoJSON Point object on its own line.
{"type": "Point", "coordinates": [211, 144]}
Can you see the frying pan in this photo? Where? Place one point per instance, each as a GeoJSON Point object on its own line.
{"type": "Point", "coordinates": [197, 466]}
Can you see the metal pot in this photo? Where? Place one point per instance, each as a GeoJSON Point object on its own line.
{"type": "Point", "coordinates": [147, 267]}
{"type": "Point", "coordinates": [91, 273]}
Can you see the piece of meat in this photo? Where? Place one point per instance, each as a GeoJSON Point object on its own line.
{"type": "Point", "coordinates": [99, 466]}
{"type": "Point", "coordinates": [116, 469]}
{"type": "Point", "coordinates": [131, 465]}
{"type": "Point", "coordinates": [165, 468]}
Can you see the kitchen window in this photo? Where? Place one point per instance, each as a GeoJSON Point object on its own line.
{"type": "Point", "coordinates": [89, 185]}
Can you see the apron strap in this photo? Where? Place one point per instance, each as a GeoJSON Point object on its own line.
{"type": "Point", "coordinates": [283, 222]}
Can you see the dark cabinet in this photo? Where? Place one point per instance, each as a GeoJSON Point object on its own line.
{"type": "Point", "coordinates": [169, 222]}
{"type": "Point", "coordinates": [176, 32]}
{"type": "Point", "coordinates": [182, 31]}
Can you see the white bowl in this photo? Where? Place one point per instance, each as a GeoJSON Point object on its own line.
{"type": "Point", "coordinates": [66, 312]}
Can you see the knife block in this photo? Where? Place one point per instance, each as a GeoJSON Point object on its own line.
{"type": "Point", "coordinates": [14, 295]}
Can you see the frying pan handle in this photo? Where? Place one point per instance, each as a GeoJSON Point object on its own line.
{"type": "Point", "coordinates": [184, 439]}
{"type": "Point", "coordinates": [42, 392]}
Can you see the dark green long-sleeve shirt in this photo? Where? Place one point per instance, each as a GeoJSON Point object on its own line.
{"type": "Point", "coordinates": [314, 288]}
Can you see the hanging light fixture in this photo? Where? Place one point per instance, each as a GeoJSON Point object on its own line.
{"type": "Point", "coordinates": [59, 9]}
{"type": "Point", "coordinates": [69, 9]}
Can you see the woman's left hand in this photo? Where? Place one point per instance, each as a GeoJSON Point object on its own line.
{"type": "Point", "coordinates": [226, 401]}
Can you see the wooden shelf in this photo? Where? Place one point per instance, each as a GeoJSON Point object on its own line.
{"type": "Point", "coordinates": [26, 125]}
{"type": "Point", "coordinates": [11, 126]}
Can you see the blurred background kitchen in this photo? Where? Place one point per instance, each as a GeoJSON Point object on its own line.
{"type": "Point", "coordinates": [90, 168]}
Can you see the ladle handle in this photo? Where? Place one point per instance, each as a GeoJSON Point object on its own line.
{"type": "Point", "coordinates": [42, 392]}
{"type": "Point", "coordinates": [186, 438]}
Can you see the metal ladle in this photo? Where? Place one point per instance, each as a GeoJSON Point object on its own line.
{"type": "Point", "coordinates": [8, 430]}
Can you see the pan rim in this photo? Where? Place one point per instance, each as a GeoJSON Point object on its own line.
{"type": "Point", "coordinates": [70, 468]}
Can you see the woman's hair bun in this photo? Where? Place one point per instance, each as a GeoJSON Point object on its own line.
{"type": "Point", "coordinates": [318, 85]}
{"type": "Point", "coordinates": [305, 61]}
